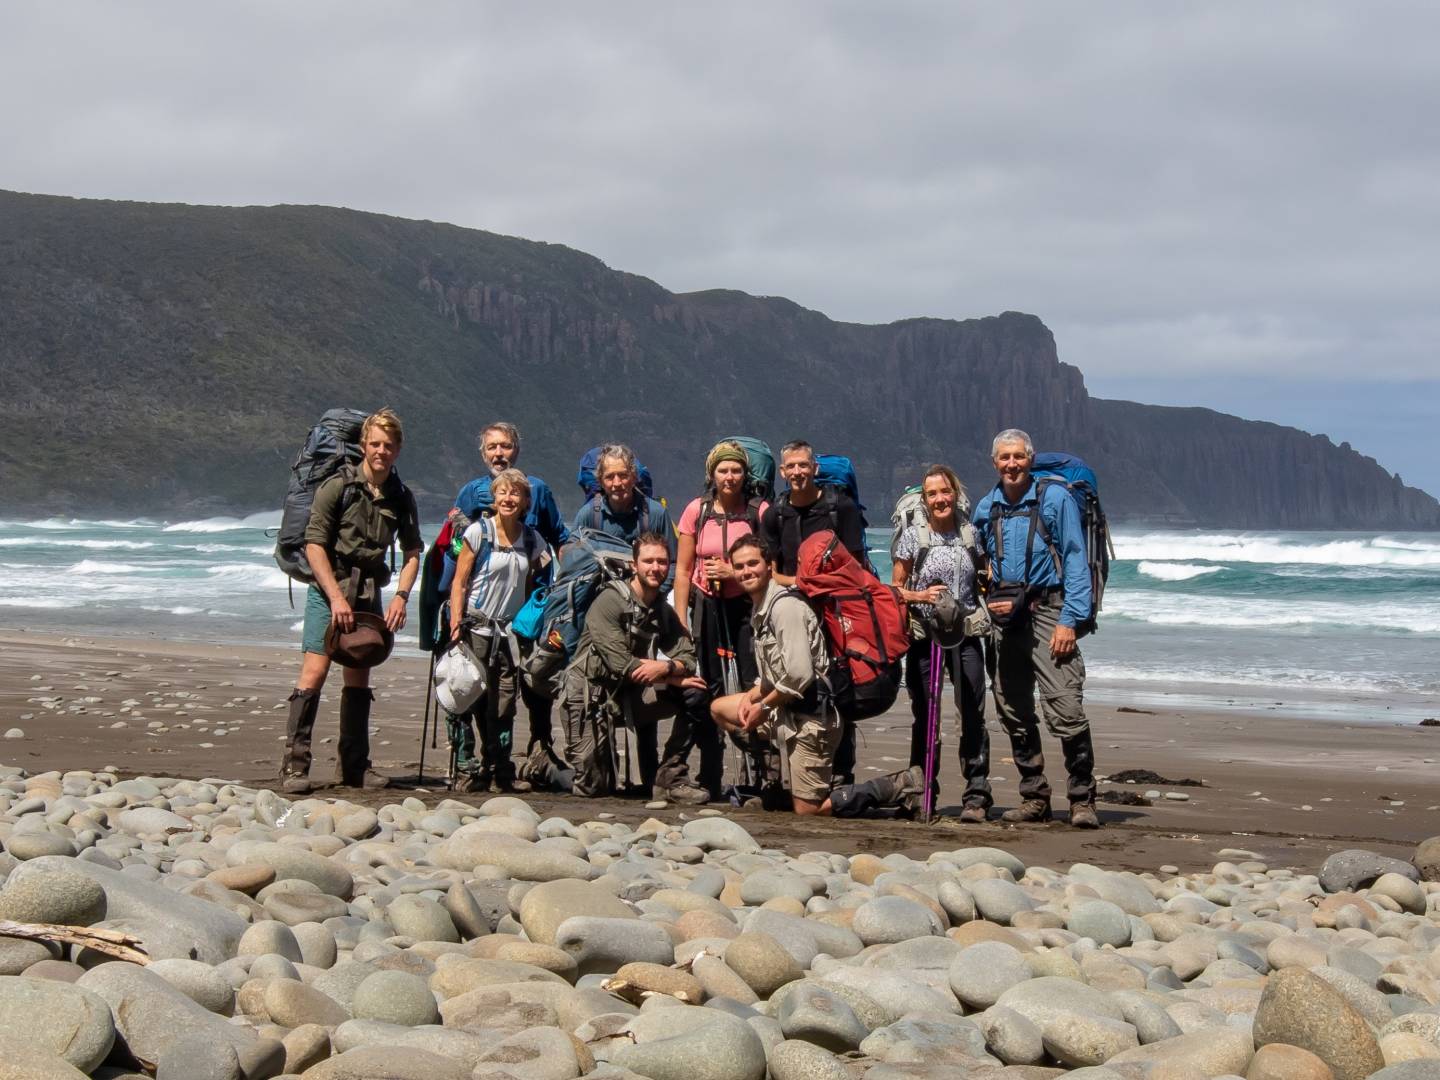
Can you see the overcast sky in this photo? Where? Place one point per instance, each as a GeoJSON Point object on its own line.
{"type": "Point", "coordinates": [1229, 204]}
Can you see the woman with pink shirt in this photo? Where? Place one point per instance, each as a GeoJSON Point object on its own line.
{"type": "Point", "coordinates": [716, 611]}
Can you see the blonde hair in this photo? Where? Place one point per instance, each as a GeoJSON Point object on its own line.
{"type": "Point", "coordinates": [515, 480]}
{"type": "Point", "coordinates": [948, 475]}
{"type": "Point", "coordinates": [386, 420]}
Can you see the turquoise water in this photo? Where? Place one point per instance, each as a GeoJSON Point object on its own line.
{"type": "Point", "coordinates": [1342, 624]}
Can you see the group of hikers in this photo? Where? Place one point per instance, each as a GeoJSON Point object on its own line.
{"type": "Point", "coordinates": [755, 624]}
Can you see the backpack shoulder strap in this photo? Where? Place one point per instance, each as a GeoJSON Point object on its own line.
{"type": "Point", "coordinates": [644, 511]}
{"type": "Point", "coordinates": [752, 515]}
{"type": "Point", "coordinates": [1038, 525]}
{"type": "Point", "coordinates": [596, 510]}
{"type": "Point", "coordinates": [831, 507]}
{"type": "Point", "coordinates": [924, 541]}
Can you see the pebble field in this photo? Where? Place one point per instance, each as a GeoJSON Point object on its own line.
{"type": "Point", "coordinates": [323, 939]}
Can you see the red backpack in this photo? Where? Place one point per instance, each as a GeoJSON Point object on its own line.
{"type": "Point", "coordinates": [866, 625]}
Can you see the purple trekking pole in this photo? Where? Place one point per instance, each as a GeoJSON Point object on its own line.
{"type": "Point", "coordinates": [932, 735]}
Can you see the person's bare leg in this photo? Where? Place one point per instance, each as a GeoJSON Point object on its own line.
{"type": "Point", "coordinates": [725, 711]}
{"type": "Point", "coordinates": [313, 669]}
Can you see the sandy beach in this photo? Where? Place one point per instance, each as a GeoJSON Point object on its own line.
{"type": "Point", "coordinates": [1289, 789]}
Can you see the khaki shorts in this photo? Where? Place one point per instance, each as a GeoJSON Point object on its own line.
{"type": "Point", "coordinates": [810, 752]}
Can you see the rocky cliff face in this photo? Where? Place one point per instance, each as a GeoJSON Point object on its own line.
{"type": "Point", "coordinates": [158, 358]}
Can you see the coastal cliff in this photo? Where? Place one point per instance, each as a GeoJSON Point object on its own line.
{"type": "Point", "coordinates": [158, 357]}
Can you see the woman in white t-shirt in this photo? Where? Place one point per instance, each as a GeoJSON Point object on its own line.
{"type": "Point", "coordinates": [716, 611]}
{"type": "Point", "coordinates": [929, 562]}
{"type": "Point", "coordinates": [494, 573]}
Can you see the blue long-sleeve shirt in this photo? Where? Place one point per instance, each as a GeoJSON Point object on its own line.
{"type": "Point", "coordinates": [543, 515]}
{"type": "Point", "coordinates": [627, 526]}
{"type": "Point", "coordinates": [1062, 519]}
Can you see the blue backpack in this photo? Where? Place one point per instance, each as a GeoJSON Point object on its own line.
{"type": "Point", "coordinates": [554, 617]}
{"type": "Point", "coordinates": [590, 486]}
{"type": "Point", "coordinates": [1083, 486]}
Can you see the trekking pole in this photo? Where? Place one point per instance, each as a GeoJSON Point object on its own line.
{"type": "Point", "coordinates": [425, 720]}
{"type": "Point", "coordinates": [937, 684]}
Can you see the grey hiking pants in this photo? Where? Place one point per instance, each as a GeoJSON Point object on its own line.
{"type": "Point", "coordinates": [1021, 663]}
{"type": "Point", "coordinates": [608, 754]}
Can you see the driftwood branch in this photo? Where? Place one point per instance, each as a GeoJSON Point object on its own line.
{"type": "Point", "coordinates": [110, 942]}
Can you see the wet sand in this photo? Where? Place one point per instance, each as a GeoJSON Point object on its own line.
{"type": "Point", "coordinates": [192, 710]}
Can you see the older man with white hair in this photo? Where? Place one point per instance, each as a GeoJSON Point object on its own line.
{"type": "Point", "coordinates": [1039, 595]}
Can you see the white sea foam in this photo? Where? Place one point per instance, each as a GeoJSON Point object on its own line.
{"type": "Point", "coordinates": [251, 574]}
{"type": "Point", "coordinates": [264, 520]}
{"type": "Point", "coordinates": [96, 566]}
{"type": "Point", "coordinates": [1163, 571]}
{"type": "Point", "coordinates": [51, 602]}
{"type": "Point", "coordinates": [1294, 678]}
{"type": "Point", "coordinates": [69, 542]}
{"type": "Point", "coordinates": [179, 610]}
{"type": "Point", "coordinates": [1184, 609]}
{"type": "Point", "coordinates": [1262, 548]}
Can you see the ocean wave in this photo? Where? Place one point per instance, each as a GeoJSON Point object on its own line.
{"type": "Point", "coordinates": [254, 574]}
{"type": "Point", "coordinates": [50, 602]}
{"type": "Point", "coordinates": [1286, 678]}
{"type": "Point", "coordinates": [1262, 548]}
{"type": "Point", "coordinates": [180, 610]}
{"type": "Point", "coordinates": [227, 549]}
{"type": "Point", "coordinates": [1164, 571]}
{"type": "Point", "coordinates": [95, 566]}
{"type": "Point", "coordinates": [1186, 609]}
{"type": "Point", "coordinates": [266, 519]}
{"type": "Point", "coordinates": [43, 542]}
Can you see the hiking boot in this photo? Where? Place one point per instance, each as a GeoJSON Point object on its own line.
{"type": "Point", "coordinates": [973, 815]}
{"type": "Point", "coordinates": [1028, 811]}
{"type": "Point", "coordinates": [688, 794]}
{"type": "Point", "coordinates": [295, 784]}
{"type": "Point", "coordinates": [1083, 816]}
{"type": "Point", "coordinates": [473, 783]}
{"type": "Point", "coordinates": [512, 785]}
{"type": "Point", "coordinates": [912, 789]}
{"type": "Point", "coordinates": [369, 780]}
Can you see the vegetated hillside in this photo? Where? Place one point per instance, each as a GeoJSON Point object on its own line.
{"type": "Point", "coordinates": [167, 358]}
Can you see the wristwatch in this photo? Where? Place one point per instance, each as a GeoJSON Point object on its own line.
{"type": "Point", "coordinates": [403, 594]}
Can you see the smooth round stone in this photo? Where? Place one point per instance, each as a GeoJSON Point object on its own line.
{"type": "Point", "coordinates": [289, 861]}
{"type": "Point", "coordinates": [957, 901]}
{"type": "Point", "coordinates": [1300, 1009]}
{"type": "Point", "coordinates": [342, 980]}
{"type": "Point", "coordinates": [60, 1017]}
{"type": "Point", "coordinates": [36, 845]}
{"type": "Point", "coordinates": [546, 957]}
{"type": "Point", "coordinates": [762, 962]}
{"type": "Point", "coordinates": [999, 901]}
{"type": "Point", "coordinates": [718, 834]}
{"type": "Point", "coordinates": [152, 820]}
{"type": "Point", "coordinates": [273, 966]}
{"type": "Point", "coordinates": [798, 1060]}
{"type": "Point", "coordinates": [307, 1045]}
{"type": "Point", "coordinates": [196, 1056]}
{"type": "Point", "coordinates": [1346, 871]}
{"type": "Point", "coordinates": [465, 912]}
{"type": "Point", "coordinates": [692, 1044]}
{"type": "Point", "coordinates": [720, 981]}
{"type": "Point", "coordinates": [660, 979]}
{"type": "Point", "coordinates": [888, 995]}
{"type": "Point", "coordinates": [889, 919]}
{"type": "Point", "coordinates": [812, 1013]}
{"type": "Point", "coordinates": [927, 1038]}
{"type": "Point", "coordinates": [1101, 921]}
{"type": "Point", "coordinates": [17, 954]}
{"type": "Point", "coordinates": [765, 885]}
{"type": "Point", "coordinates": [248, 878]}
{"type": "Point", "coordinates": [1409, 1070]}
{"type": "Point", "coordinates": [1295, 951]}
{"type": "Point", "coordinates": [1079, 1039]}
{"type": "Point", "coordinates": [1405, 892]}
{"type": "Point", "coordinates": [317, 944]}
{"type": "Point", "coordinates": [1216, 1052]}
{"type": "Point", "coordinates": [1041, 999]}
{"type": "Point", "coordinates": [1012, 1038]}
{"type": "Point", "coordinates": [389, 1062]}
{"type": "Point", "coordinates": [1280, 1062]}
{"type": "Point", "coordinates": [269, 937]}
{"type": "Point", "coordinates": [395, 997]}
{"type": "Point", "coordinates": [1404, 1046]}
{"type": "Point", "coordinates": [605, 944]}
{"type": "Point", "coordinates": [199, 982]}
{"type": "Point", "coordinates": [546, 906]}
{"type": "Point", "coordinates": [52, 896]}
{"type": "Point", "coordinates": [293, 908]}
{"type": "Point", "coordinates": [55, 970]}
{"type": "Point", "coordinates": [422, 919]}
{"type": "Point", "coordinates": [291, 1004]}
{"type": "Point", "coordinates": [981, 973]}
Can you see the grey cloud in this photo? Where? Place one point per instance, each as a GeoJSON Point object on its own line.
{"type": "Point", "coordinates": [1202, 188]}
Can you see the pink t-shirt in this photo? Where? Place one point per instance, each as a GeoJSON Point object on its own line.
{"type": "Point", "coordinates": [714, 540]}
